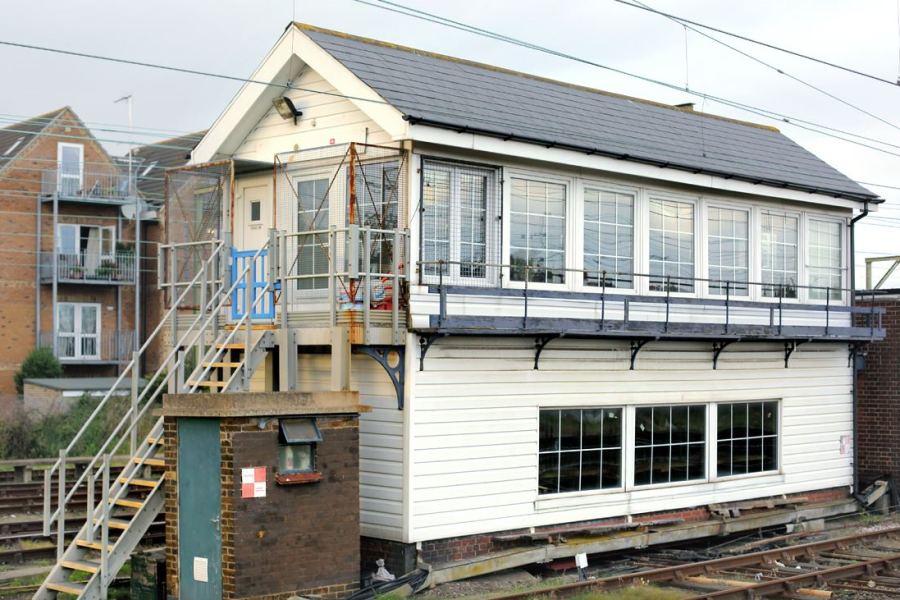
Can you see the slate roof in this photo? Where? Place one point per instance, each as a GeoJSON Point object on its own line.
{"type": "Point", "coordinates": [161, 156]}
{"type": "Point", "coordinates": [26, 130]}
{"type": "Point", "coordinates": [447, 92]}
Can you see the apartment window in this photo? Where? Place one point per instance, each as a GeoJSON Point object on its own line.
{"type": "Point", "coordinates": [579, 449]}
{"type": "Point", "coordinates": [747, 438]}
{"type": "Point", "coordinates": [297, 440]}
{"type": "Point", "coordinates": [78, 331]}
{"type": "Point", "coordinates": [538, 231]}
{"type": "Point", "coordinates": [312, 250]}
{"type": "Point", "coordinates": [779, 255]}
{"type": "Point", "coordinates": [669, 444]}
{"type": "Point", "coordinates": [671, 246]}
{"type": "Point", "coordinates": [729, 251]}
{"type": "Point", "coordinates": [608, 238]}
{"type": "Point", "coordinates": [825, 261]}
{"type": "Point", "coordinates": [70, 168]}
{"type": "Point", "coordinates": [459, 220]}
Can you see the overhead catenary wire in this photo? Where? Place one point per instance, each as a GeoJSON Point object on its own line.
{"type": "Point", "coordinates": [766, 113]}
{"type": "Point", "coordinates": [163, 132]}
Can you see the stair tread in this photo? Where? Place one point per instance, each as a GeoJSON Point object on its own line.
{"type": "Point", "coordinates": [222, 365]}
{"type": "Point", "coordinates": [68, 587]}
{"type": "Point", "coordinates": [159, 441]}
{"type": "Point", "coordinates": [233, 346]}
{"type": "Point", "coordinates": [254, 327]}
{"type": "Point", "coordinates": [93, 545]}
{"type": "Point", "coordinates": [153, 462]}
{"type": "Point", "coordinates": [88, 566]}
{"type": "Point", "coordinates": [209, 383]}
{"type": "Point", "coordinates": [130, 502]}
{"type": "Point", "coordinates": [115, 523]}
{"type": "Point", "coordinates": [140, 481]}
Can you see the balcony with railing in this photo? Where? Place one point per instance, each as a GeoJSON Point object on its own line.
{"type": "Point", "coordinates": [106, 347]}
{"type": "Point", "coordinates": [90, 268]}
{"type": "Point", "coordinates": [95, 183]}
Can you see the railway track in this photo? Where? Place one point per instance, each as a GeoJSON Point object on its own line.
{"type": "Point", "coordinates": [13, 551]}
{"type": "Point", "coordinates": [830, 563]}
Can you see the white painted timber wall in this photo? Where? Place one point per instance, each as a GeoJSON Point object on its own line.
{"type": "Point", "coordinates": [380, 440]}
{"type": "Point", "coordinates": [327, 120]}
{"type": "Point", "coordinates": [474, 425]}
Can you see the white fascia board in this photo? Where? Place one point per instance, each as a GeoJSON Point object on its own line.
{"type": "Point", "coordinates": [254, 100]}
{"type": "Point", "coordinates": [482, 143]}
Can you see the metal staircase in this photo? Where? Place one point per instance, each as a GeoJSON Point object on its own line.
{"type": "Point", "coordinates": [129, 503]}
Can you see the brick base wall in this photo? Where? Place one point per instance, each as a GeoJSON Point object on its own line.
{"type": "Point", "coordinates": [399, 557]}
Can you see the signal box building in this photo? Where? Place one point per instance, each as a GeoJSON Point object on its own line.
{"type": "Point", "coordinates": [564, 309]}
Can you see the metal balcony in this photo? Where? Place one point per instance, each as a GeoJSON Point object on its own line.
{"type": "Point", "coordinates": [100, 184]}
{"type": "Point", "coordinates": [109, 347]}
{"type": "Point", "coordinates": [479, 304]}
{"type": "Point", "coordinates": [89, 268]}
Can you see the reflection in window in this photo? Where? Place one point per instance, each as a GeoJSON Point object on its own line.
{"type": "Point", "coordinates": [671, 246]}
{"type": "Point", "coordinates": [729, 251]}
{"type": "Point", "coordinates": [608, 238]}
{"type": "Point", "coordinates": [779, 255]}
{"type": "Point", "coordinates": [669, 444]}
{"type": "Point", "coordinates": [538, 231]}
{"type": "Point", "coordinates": [747, 438]}
{"type": "Point", "coordinates": [580, 450]}
{"type": "Point", "coordinates": [825, 260]}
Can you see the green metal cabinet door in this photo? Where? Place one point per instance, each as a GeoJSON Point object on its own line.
{"type": "Point", "coordinates": [199, 509]}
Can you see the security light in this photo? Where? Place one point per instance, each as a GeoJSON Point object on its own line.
{"type": "Point", "coordinates": [286, 108]}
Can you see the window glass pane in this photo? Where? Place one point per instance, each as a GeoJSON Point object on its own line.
{"type": "Point", "coordinates": [255, 210]}
{"type": "Point", "coordinates": [608, 238]}
{"type": "Point", "coordinates": [671, 246]}
{"type": "Point", "coordinates": [750, 444]}
{"type": "Point", "coordinates": [676, 449]}
{"type": "Point", "coordinates": [729, 251]}
{"type": "Point", "coordinates": [312, 250]}
{"type": "Point", "coordinates": [579, 450]}
{"type": "Point", "coordinates": [779, 255]}
{"type": "Point", "coordinates": [538, 212]}
{"type": "Point", "coordinates": [295, 458]}
{"type": "Point", "coordinates": [295, 431]}
{"type": "Point", "coordinates": [825, 260]}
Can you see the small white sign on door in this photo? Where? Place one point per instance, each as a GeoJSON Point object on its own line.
{"type": "Point", "coordinates": [201, 569]}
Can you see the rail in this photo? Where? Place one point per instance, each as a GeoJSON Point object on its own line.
{"type": "Point", "coordinates": [96, 183]}
{"type": "Point", "coordinates": [89, 267]}
{"type": "Point", "coordinates": [106, 346]}
{"type": "Point", "coordinates": [617, 291]}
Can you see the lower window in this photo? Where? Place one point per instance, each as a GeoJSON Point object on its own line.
{"type": "Point", "coordinates": [297, 440]}
{"type": "Point", "coordinates": [747, 438]}
{"type": "Point", "coordinates": [580, 449]}
{"type": "Point", "coordinates": [669, 443]}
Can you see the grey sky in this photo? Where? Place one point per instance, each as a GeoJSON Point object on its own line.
{"type": "Point", "coordinates": [232, 37]}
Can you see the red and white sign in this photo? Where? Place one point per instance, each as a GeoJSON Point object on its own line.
{"type": "Point", "coordinates": [253, 482]}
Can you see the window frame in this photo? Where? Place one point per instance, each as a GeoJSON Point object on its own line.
{"type": "Point", "coordinates": [569, 229]}
{"type": "Point", "coordinates": [699, 262]}
{"type": "Point", "coordinates": [493, 211]}
{"type": "Point", "coordinates": [312, 292]}
{"type": "Point", "coordinates": [60, 175]}
{"type": "Point", "coordinates": [638, 234]}
{"type": "Point", "coordinates": [109, 230]}
{"type": "Point", "coordinates": [753, 251]}
{"type": "Point", "coordinates": [800, 296]}
{"type": "Point", "coordinates": [77, 333]}
{"type": "Point", "coordinates": [310, 443]}
{"type": "Point", "coordinates": [844, 248]}
{"type": "Point", "coordinates": [623, 470]}
{"type": "Point", "coordinates": [779, 441]}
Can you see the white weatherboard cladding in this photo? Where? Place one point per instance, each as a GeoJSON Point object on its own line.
{"type": "Point", "coordinates": [474, 413]}
{"type": "Point", "coordinates": [380, 440]}
{"type": "Point", "coordinates": [327, 120]}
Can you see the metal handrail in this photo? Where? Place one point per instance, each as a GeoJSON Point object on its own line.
{"type": "Point", "coordinates": [129, 368]}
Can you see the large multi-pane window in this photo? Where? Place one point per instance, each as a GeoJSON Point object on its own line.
{"type": "Point", "coordinates": [747, 438]}
{"type": "Point", "coordinates": [669, 443]}
{"type": "Point", "coordinates": [608, 238]}
{"type": "Point", "coordinates": [580, 449]}
{"type": "Point", "coordinates": [729, 251]}
{"type": "Point", "coordinates": [825, 261]}
{"type": "Point", "coordinates": [671, 246]}
{"type": "Point", "coordinates": [312, 250]}
{"type": "Point", "coordinates": [457, 212]}
{"type": "Point", "coordinates": [779, 255]}
{"type": "Point", "coordinates": [538, 231]}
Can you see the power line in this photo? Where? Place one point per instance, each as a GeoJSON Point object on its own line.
{"type": "Point", "coordinates": [185, 71]}
{"type": "Point", "coordinates": [765, 44]}
{"type": "Point", "coordinates": [774, 68]}
{"type": "Point", "coordinates": [172, 133]}
{"type": "Point", "coordinates": [446, 22]}
{"type": "Point", "coordinates": [70, 124]}
{"type": "Point", "coordinates": [81, 137]}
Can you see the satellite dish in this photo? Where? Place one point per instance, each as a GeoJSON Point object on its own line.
{"type": "Point", "coordinates": [128, 211]}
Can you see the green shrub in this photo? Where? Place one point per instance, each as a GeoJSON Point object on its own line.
{"type": "Point", "coordinates": [40, 363]}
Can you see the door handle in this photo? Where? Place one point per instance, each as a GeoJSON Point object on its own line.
{"type": "Point", "coordinates": [216, 522]}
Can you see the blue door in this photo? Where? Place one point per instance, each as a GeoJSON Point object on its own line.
{"type": "Point", "coordinates": [256, 278]}
{"type": "Point", "coordinates": [199, 509]}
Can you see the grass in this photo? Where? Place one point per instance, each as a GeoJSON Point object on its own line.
{"type": "Point", "coordinates": [639, 592]}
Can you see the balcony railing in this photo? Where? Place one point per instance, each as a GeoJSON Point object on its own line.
{"type": "Point", "coordinates": [107, 347]}
{"type": "Point", "coordinates": [117, 269]}
{"type": "Point", "coordinates": [97, 184]}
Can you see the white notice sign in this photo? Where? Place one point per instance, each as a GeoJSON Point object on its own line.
{"type": "Point", "coordinates": [259, 489]}
{"type": "Point", "coordinates": [247, 475]}
{"type": "Point", "coordinates": [201, 569]}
